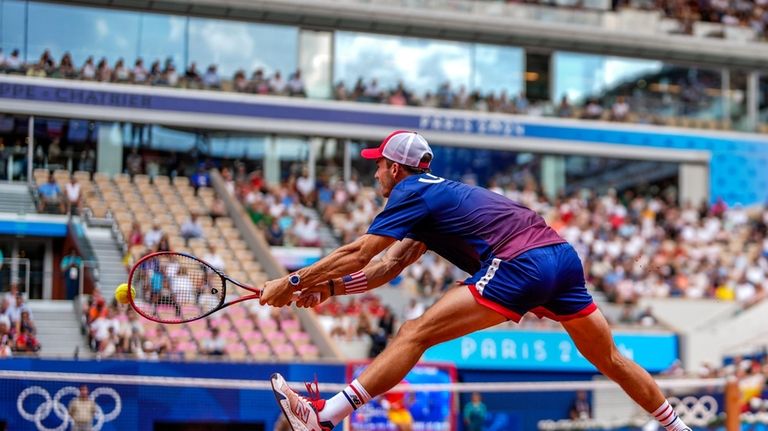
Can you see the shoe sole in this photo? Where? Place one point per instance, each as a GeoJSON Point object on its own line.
{"type": "Point", "coordinates": [282, 398]}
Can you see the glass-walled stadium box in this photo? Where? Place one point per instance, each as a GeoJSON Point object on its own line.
{"type": "Point", "coordinates": [427, 65]}
{"type": "Point", "coordinates": [425, 69]}
{"type": "Point", "coordinates": [84, 145]}
{"type": "Point", "coordinates": [34, 27]}
{"type": "Point", "coordinates": [657, 92]}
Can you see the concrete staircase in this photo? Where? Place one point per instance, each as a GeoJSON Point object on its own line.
{"type": "Point", "coordinates": [107, 251]}
{"type": "Point", "coordinates": [16, 199]}
{"type": "Point", "coordinates": [58, 329]}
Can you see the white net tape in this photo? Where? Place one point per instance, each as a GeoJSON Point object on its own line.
{"type": "Point", "coordinates": [120, 379]}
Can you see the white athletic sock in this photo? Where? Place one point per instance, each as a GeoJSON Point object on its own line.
{"type": "Point", "coordinates": [667, 417]}
{"type": "Point", "coordinates": [344, 403]}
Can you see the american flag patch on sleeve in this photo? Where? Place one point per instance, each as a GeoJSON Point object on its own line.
{"type": "Point", "coordinates": [356, 282]}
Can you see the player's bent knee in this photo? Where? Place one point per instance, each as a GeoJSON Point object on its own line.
{"type": "Point", "coordinates": [613, 364]}
{"type": "Point", "coordinates": [412, 331]}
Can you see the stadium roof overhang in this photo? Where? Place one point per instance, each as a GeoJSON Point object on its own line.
{"type": "Point", "coordinates": [393, 18]}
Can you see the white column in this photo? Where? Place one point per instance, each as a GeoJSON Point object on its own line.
{"type": "Point", "coordinates": [272, 161]}
{"type": "Point", "coordinates": [48, 271]}
{"type": "Point", "coordinates": [15, 267]}
{"type": "Point", "coordinates": [552, 175]}
{"type": "Point", "coordinates": [315, 62]}
{"type": "Point", "coordinates": [347, 160]}
{"type": "Point", "coordinates": [753, 85]}
{"type": "Point", "coordinates": [109, 149]}
{"type": "Point", "coordinates": [30, 149]}
{"type": "Point", "coordinates": [725, 93]}
{"type": "Point", "coordinates": [314, 148]}
{"type": "Point", "coordinates": [693, 182]}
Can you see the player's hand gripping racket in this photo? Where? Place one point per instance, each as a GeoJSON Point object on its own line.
{"type": "Point", "coordinates": [174, 287]}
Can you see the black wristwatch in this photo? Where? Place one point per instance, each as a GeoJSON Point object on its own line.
{"type": "Point", "coordinates": [294, 279]}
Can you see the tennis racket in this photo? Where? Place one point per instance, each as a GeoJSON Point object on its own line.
{"type": "Point", "coordinates": [173, 287]}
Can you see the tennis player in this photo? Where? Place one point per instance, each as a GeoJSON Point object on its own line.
{"type": "Point", "coordinates": [518, 265]}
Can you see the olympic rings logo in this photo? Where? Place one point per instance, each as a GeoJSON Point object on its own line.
{"type": "Point", "coordinates": [695, 411]}
{"type": "Point", "coordinates": [48, 404]}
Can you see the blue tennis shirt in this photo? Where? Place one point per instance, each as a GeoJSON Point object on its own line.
{"type": "Point", "coordinates": [469, 226]}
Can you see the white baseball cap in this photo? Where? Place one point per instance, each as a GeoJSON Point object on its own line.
{"type": "Point", "coordinates": [401, 146]}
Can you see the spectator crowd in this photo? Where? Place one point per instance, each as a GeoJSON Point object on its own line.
{"type": "Point", "coordinates": [115, 330]}
{"type": "Point", "coordinates": [628, 105]}
{"type": "Point", "coordinates": [17, 327]}
{"type": "Point", "coordinates": [634, 245]}
{"type": "Point", "coordinates": [52, 198]}
{"type": "Point", "coordinates": [282, 211]}
{"type": "Point", "coordinates": [731, 13]}
{"type": "Point", "coordinates": [159, 73]}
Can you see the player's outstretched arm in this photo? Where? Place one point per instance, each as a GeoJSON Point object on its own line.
{"type": "Point", "coordinates": [344, 260]}
{"type": "Point", "coordinates": [377, 272]}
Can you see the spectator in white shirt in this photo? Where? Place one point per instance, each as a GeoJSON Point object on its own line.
{"type": "Point", "coordinates": [373, 91]}
{"type": "Point", "coordinates": [13, 63]}
{"type": "Point", "coordinates": [88, 71]}
{"type": "Point", "coordinates": [215, 345]}
{"type": "Point", "coordinates": [120, 73]}
{"type": "Point", "coordinates": [72, 191]}
{"type": "Point", "coordinates": [191, 229]}
{"type": "Point", "coordinates": [306, 187]}
{"type": "Point", "coordinates": [211, 78]}
{"type": "Point", "coordinates": [296, 85]}
{"type": "Point", "coordinates": [182, 287]}
{"type": "Point", "coordinates": [5, 309]}
{"type": "Point", "coordinates": [593, 110]}
{"type": "Point", "coordinates": [15, 312]}
{"type": "Point", "coordinates": [152, 237]}
{"type": "Point", "coordinates": [13, 291]}
{"type": "Point", "coordinates": [213, 258]}
{"type": "Point", "coordinates": [619, 110]}
{"type": "Point", "coordinates": [171, 76]}
{"type": "Point", "coordinates": [277, 84]}
{"type": "Point", "coordinates": [100, 328]}
{"type": "Point", "coordinates": [139, 72]}
{"type": "Point", "coordinates": [306, 232]}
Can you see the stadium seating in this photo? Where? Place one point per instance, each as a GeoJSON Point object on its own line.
{"type": "Point", "coordinates": [170, 203]}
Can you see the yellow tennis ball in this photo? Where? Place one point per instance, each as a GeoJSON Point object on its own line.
{"type": "Point", "coordinates": [121, 293]}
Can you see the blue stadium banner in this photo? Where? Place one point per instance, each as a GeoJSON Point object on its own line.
{"type": "Point", "coordinates": [548, 351]}
{"type": "Point", "coordinates": [40, 404]}
{"type": "Point", "coordinates": [22, 227]}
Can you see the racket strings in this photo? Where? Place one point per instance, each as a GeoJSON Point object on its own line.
{"type": "Point", "coordinates": [175, 288]}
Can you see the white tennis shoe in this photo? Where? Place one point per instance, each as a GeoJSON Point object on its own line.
{"type": "Point", "coordinates": [301, 412]}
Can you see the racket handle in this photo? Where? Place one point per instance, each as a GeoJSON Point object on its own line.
{"type": "Point", "coordinates": [296, 296]}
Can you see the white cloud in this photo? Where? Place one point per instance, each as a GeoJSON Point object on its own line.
{"type": "Point", "coordinates": [422, 64]}
{"type": "Point", "coordinates": [178, 28]}
{"type": "Point", "coordinates": [102, 28]}
{"type": "Point", "coordinates": [121, 42]}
